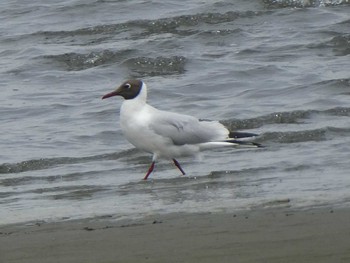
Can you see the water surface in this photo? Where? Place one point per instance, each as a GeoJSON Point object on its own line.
{"type": "Point", "coordinates": [277, 68]}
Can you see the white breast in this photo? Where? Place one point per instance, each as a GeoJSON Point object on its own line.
{"type": "Point", "coordinates": [137, 122]}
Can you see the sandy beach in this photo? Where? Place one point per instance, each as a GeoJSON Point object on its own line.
{"type": "Point", "coordinates": [269, 235]}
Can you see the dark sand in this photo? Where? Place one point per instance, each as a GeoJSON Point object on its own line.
{"type": "Point", "coordinates": [273, 235]}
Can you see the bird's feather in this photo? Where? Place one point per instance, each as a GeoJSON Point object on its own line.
{"type": "Point", "coordinates": [183, 129]}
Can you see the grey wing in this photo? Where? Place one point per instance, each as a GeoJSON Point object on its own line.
{"type": "Point", "coordinates": [184, 129]}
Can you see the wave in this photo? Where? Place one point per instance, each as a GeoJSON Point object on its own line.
{"type": "Point", "coordinates": [46, 163]}
{"type": "Point", "coordinates": [146, 66]}
{"type": "Point", "coordinates": [139, 66]}
{"type": "Point", "coordinates": [340, 44]}
{"type": "Point", "coordinates": [303, 3]}
{"type": "Point", "coordinates": [182, 25]}
{"type": "Point", "coordinates": [295, 136]}
{"type": "Point", "coordinates": [76, 61]}
{"type": "Point", "coordinates": [293, 117]}
{"type": "Point", "coordinates": [161, 25]}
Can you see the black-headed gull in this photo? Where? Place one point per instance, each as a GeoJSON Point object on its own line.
{"type": "Point", "coordinates": [168, 134]}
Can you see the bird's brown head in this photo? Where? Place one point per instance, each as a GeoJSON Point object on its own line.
{"type": "Point", "coordinates": [128, 90]}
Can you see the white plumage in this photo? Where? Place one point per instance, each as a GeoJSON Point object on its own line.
{"type": "Point", "coordinates": [166, 134]}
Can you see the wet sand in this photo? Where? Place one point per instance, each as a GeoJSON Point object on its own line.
{"type": "Point", "coordinates": [268, 235]}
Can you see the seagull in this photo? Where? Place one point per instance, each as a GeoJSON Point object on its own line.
{"type": "Point", "coordinates": [167, 134]}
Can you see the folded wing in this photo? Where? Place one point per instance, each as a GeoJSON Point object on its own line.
{"type": "Point", "coordinates": [184, 129]}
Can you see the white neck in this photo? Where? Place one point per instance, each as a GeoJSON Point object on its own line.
{"type": "Point", "coordinates": [142, 96]}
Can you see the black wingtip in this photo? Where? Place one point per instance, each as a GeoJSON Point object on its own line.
{"type": "Point", "coordinates": [240, 135]}
{"type": "Point", "coordinates": [245, 143]}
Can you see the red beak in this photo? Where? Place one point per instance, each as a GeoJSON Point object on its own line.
{"type": "Point", "coordinates": [111, 94]}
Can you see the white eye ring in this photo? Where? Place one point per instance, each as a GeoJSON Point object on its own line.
{"type": "Point", "coordinates": [127, 86]}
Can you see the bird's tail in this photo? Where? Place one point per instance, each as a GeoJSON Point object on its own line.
{"type": "Point", "coordinates": [235, 139]}
{"type": "Point", "coordinates": [230, 143]}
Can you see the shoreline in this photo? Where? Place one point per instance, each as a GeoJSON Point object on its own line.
{"type": "Point", "coordinates": [262, 235]}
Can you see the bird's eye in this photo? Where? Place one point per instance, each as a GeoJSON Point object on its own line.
{"type": "Point", "coordinates": [127, 86]}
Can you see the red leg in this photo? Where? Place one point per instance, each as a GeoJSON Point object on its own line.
{"type": "Point", "coordinates": [149, 170]}
{"type": "Point", "coordinates": [179, 166]}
